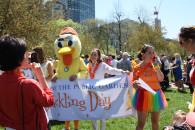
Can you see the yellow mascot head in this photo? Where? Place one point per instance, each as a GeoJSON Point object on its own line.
{"type": "Point", "coordinates": [68, 49]}
{"type": "Point", "coordinates": [68, 46]}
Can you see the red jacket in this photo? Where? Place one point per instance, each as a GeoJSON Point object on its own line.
{"type": "Point", "coordinates": [13, 111]}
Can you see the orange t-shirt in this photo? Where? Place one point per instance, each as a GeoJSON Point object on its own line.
{"type": "Point", "coordinates": [148, 74]}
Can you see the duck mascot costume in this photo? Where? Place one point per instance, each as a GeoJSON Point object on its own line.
{"type": "Point", "coordinates": [70, 65]}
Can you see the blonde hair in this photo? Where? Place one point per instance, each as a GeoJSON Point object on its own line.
{"type": "Point", "coordinates": [179, 118]}
{"type": "Point", "coordinates": [177, 56]}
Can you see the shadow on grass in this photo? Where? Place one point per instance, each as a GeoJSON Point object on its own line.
{"type": "Point", "coordinates": [168, 90]}
{"type": "Point", "coordinates": [55, 122]}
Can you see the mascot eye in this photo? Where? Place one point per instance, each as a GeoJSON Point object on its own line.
{"type": "Point", "coordinates": [70, 42]}
{"type": "Point", "coordinates": [59, 44]}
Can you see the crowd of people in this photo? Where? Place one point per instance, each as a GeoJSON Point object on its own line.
{"type": "Point", "coordinates": [25, 75]}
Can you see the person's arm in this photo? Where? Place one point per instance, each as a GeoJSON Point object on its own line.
{"type": "Point", "coordinates": [39, 91]}
{"type": "Point", "coordinates": [135, 78]}
{"type": "Point", "coordinates": [176, 64]}
{"type": "Point", "coordinates": [159, 74]}
{"type": "Point", "coordinates": [50, 71]}
{"type": "Point", "coordinates": [54, 77]}
{"type": "Point", "coordinates": [39, 74]}
{"type": "Point", "coordinates": [40, 96]}
{"type": "Point", "coordinates": [166, 64]}
{"type": "Point", "coordinates": [36, 68]}
{"type": "Point", "coordinates": [113, 71]}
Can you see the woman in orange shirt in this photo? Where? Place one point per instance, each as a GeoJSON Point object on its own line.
{"type": "Point", "coordinates": [143, 101]}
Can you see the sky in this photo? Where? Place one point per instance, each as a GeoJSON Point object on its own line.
{"type": "Point", "coordinates": [173, 13]}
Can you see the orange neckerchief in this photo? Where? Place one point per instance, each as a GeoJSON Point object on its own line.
{"type": "Point", "coordinates": [92, 72]}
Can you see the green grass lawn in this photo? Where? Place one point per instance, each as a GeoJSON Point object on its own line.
{"type": "Point", "coordinates": [177, 101]}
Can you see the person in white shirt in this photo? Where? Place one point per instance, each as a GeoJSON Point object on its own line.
{"type": "Point", "coordinates": [46, 65]}
{"type": "Point", "coordinates": [114, 61]}
{"type": "Point", "coordinates": [26, 70]}
{"type": "Point", "coordinates": [97, 69]}
{"type": "Point", "coordinates": [165, 66]}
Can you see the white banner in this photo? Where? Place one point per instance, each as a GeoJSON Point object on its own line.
{"type": "Point", "coordinates": [91, 99]}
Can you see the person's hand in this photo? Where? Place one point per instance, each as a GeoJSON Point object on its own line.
{"type": "Point", "coordinates": [156, 61]}
{"type": "Point", "coordinates": [1, 72]}
{"type": "Point", "coordinates": [125, 72]}
{"type": "Point", "coordinates": [36, 68]}
{"type": "Point", "coordinates": [73, 77]}
{"type": "Point", "coordinates": [54, 78]}
{"type": "Point", "coordinates": [136, 84]}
